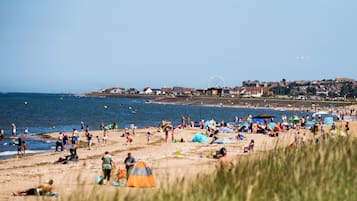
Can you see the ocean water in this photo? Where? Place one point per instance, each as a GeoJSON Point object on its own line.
{"type": "Point", "coordinates": [43, 113]}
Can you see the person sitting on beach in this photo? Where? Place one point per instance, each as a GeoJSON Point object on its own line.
{"type": "Point", "coordinates": [224, 162]}
{"type": "Point", "coordinates": [220, 153]}
{"type": "Point", "coordinates": [240, 136]}
{"type": "Point", "coordinates": [249, 147]}
{"type": "Point", "coordinates": [42, 189]}
{"type": "Point", "coordinates": [72, 157]}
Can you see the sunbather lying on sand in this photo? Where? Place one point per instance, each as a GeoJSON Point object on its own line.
{"type": "Point", "coordinates": [42, 189]}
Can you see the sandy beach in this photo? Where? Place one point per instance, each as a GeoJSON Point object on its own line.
{"type": "Point", "coordinates": [167, 165]}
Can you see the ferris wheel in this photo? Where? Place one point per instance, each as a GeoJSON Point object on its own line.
{"type": "Point", "coordinates": [216, 81]}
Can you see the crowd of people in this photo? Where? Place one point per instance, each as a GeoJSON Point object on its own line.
{"type": "Point", "coordinates": [169, 131]}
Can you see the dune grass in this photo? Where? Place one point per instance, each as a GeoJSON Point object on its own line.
{"type": "Point", "coordinates": [316, 172]}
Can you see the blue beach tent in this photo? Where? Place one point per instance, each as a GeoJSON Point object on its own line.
{"type": "Point", "coordinates": [199, 137]}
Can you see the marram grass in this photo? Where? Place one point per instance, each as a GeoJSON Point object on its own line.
{"type": "Point", "coordinates": [316, 172]}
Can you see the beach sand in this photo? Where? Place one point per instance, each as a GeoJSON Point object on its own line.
{"type": "Point", "coordinates": [167, 166]}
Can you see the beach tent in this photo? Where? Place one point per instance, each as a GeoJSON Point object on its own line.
{"type": "Point", "coordinates": [223, 141]}
{"type": "Point", "coordinates": [328, 121]}
{"type": "Point", "coordinates": [199, 137]}
{"type": "Point", "coordinates": [310, 123]}
{"type": "Point", "coordinates": [272, 125]}
{"type": "Point", "coordinates": [209, 124]}
{"type": "Point", "coordinates": [226, 130]}
{"type": "Point", "coordinates": [141, 176]}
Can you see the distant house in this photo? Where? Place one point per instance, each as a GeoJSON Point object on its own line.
{"type": "Point", "coordinates": [251, 83]}
{"type": "Point", "coordinates": [166, 90]}
{"type": "Point", "coordinates": [115, 90]}
{"type": "Point", "coordinates": [188, 91]}
{"type": "Point", "coordinates": [226, 91]}
{"type": "Point", "coordinates": [214, 91]}
{"type": "Point", "coordinates": [156, 91]}
{"type": "Point", "coordinates": [200, 92]}
{"type": "Point", "coordinates": [148, 91]}
{"type": "Point", "coordinates": [132, 91]}
{"type": "Point", "coordinates": [235, 91]}
{"type": "Point", "coordinates": [177, 90]}
{"type": "Point", "coordinates": [344, 79]}
{"type": "Point", "coordinates": [254, 91]}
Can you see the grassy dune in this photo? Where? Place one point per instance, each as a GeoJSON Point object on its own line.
{"type": "Point", "coordinates": [325, 171]}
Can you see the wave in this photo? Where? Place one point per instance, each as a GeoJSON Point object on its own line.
{"type": "Point", "coordinates": [10, 153]}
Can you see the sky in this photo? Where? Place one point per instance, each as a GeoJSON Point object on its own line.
{"type": "Point", "coordinates": [73, 46]}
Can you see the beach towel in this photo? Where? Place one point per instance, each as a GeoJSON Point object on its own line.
{"type": "Point", "coordinates": [226, 130]}
{"type": "Point", "coordinates": [223, 141]}
{"type": "Point", "coordinates": [52, 194]}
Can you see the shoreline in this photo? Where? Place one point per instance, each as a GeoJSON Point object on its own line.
{"type": "Point", "coordinates": [257, 103]}
{"type": "Point", "coordinates": [237, 102]}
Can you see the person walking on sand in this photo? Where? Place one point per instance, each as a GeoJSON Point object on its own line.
{"type": "Point", "coordinates": [89, 139]}
{"type": "Point", "coordinates": [42, 189]}
{"type": "Point", "coordinates": [183, 125]}
{"type": "Point", "coordinates": [166, 134]}
{"type": "Point", "coordinates": [129, 164]}
{"type": "Point", "coordinates": [59, 142]}
{"type": "Point", "coordinates": [107, 166]}
{"type": "Point", "coordinates": [82, 126]}
{"type": "Point", "coordinates": [105, 137]}
{"type": "Point", "coordinates": [148, 136]}
{"type": "Point", "coordinates": [20, 146]}
{"type": "Point", "coordinates": [173, 134]}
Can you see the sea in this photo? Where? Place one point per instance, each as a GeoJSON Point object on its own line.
{"type": "Point", "coordinates": [48, 113]}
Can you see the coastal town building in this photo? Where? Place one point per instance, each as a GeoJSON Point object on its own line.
{"type": "Point", "coordinates": [325, 89]}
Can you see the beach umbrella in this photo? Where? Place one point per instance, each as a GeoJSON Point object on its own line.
{"type": "Point", "coordinates": [320, 113]}
{"type": "Point", "coordinates": [295, 118]}
{"type": "Point", "coordinates": [258, 120]}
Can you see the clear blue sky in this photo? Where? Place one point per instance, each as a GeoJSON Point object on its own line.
{"type": "Point", "coordinates": [79, 46]}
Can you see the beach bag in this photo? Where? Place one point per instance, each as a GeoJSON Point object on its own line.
{"type": "Point", "coordinates": [99, 179]}
{"type": "Point", "coordinates": [122, 174]}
